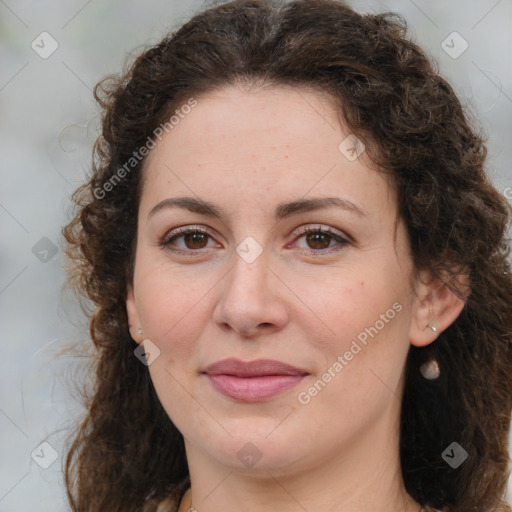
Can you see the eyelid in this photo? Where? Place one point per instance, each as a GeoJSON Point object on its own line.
{"type": "Point", "coordinates": [340, 237]}
{"type": "Point", "coordinates": [324, 229]}
{"type": "Point", "coordinates": [183, 230]}
{"type": "Point", "coordinates": [342, 240]}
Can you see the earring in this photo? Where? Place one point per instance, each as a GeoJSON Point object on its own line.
{"type": "Point", "coordinates": [139, 330]}
{"type": "Point", "coordinates": [430, 369]}
{"type": "Point", "coordinates": [432, 327]}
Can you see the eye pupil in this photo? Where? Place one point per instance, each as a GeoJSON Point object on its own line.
{"type": "Point", "coordinates": [318, 238]}
{"type": "Point", "coordinates": [191, 239]}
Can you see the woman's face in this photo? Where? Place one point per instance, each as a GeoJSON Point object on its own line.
{"type": "Point", "coordinates": [335, 304]}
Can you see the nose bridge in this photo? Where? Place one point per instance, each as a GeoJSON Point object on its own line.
{"type": "Point", "coordinates": [249, 302]}
{"type": "Point", "coordinates": [248, 281]}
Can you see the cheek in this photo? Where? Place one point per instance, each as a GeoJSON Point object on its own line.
{"type": "Point", "coordinates": [172, 386]}
{"type": "Point", "coordinates": [368, 325]}
{"type": "Point", "coordinates": [347, 303]}
{"type": "Point", "coordinates": [364, 358]}
{"type": "Point", "coordinates": [171, 303]}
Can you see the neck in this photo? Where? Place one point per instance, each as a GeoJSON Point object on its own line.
{"type": "Point", "coordinates": [364, 477]}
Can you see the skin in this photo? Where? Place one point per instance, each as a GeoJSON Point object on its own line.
{"type": "Point", "coordinates": [246, 151]}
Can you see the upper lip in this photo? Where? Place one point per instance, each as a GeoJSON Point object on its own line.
{"type": "Point", "coordinates": [256, 368]}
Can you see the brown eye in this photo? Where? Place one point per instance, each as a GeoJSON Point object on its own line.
{"type": "Point", "coordinates": [187, 240]}
{"type": "Point", "coordinates": [320, 240]}
{"type": "Point", "coordinates": [195, 240]}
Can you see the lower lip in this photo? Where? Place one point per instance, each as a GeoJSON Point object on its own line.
{"type": "Point", "coordinates": [254, 389]}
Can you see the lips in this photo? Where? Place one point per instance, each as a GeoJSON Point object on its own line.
{"type": "Point", "coordinates": [256, 368]}
{"type": "Point", "coordinates": [253, 381]}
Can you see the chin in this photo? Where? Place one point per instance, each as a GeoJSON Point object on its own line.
{"type": "Point", "coordinates": [258, 446]}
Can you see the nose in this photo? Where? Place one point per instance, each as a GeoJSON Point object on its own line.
{"type": "Point", "coordinates": [251, 301]}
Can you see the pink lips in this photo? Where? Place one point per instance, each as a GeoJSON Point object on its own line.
{"type": "Point", "coordinates": [253, 381]}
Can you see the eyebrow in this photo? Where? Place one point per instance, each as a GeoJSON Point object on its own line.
{"type": "Point", "coordinates": [282, 210]}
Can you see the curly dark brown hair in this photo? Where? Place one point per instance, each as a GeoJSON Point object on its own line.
{"type": "Point", "coordinates": [127, 455]}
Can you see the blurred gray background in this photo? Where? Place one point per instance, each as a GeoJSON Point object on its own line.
{"type": "Point", "coordinates": [51, 54]}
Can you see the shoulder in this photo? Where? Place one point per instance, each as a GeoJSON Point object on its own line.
{"type": "Point", "coordinates": [175, 498]}
{"type": "Point", "coordinates": [168, 505]}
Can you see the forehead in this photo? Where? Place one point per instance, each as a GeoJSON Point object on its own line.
{"type": "Point", "coordinates": [261, 117]}
{"type": "Point", "coordinates": [258, 144]}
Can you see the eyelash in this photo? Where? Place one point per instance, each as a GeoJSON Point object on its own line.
{"type": "Point", "coordinates": [166, 242]}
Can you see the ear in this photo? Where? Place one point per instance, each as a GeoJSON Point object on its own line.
{"type": "Point", "coordinates": [133, 316]}
{"type": "Point", "coordinates": [435, 306]}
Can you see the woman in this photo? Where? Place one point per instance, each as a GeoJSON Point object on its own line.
{"type": "Point", "coordinates": [300, 274]}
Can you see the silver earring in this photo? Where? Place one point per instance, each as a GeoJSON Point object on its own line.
{"type": "Point", "coordinates": [139, 330]}
{"type": "Point", "coordinates": [430, 369]}
{"type": "Point", "coordinates": [432, 327]}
